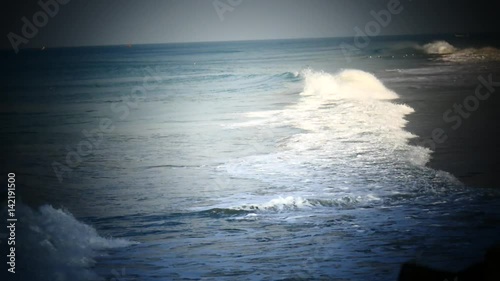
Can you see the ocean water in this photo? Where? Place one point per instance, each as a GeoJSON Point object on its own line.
{"type": "Point", "coordinates": [262, 160]}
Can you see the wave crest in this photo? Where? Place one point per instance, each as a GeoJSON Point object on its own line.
{"type": "Point", "coordinates": [348, 84]}
{"type": "Point", "coordinates": [346, 130]}
{"type": "Point", "coordinates": [450, 53]}
{"type": "Point", "coordinates": [56, 246]}
{"type": "Point", "coordinates": [297, 202]}
{"type": "Point", "coordinates": [290, 203]}
{"type": "Point", "coordinates": [438, 48]}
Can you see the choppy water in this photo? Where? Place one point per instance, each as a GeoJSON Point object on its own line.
{"type": "Point", "coordinates": [273, 160]}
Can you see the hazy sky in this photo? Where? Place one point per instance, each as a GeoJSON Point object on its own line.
{"type": "Point", "coordinates": [106, 22]}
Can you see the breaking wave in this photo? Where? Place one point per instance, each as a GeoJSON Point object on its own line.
{"type": "Point", "coordinates": [450, 53]}
{"type": "Point", "coordinates": [438, 48]}
{"type": "Point", "coordinates": [297, 203]}
{"type": "Point", "coordinates": [350, 142]}
{"type": "Point", "coordinates": [53, 245]}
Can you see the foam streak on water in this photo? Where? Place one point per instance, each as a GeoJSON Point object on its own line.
{"type": "Point", "coordinates": [265, 160]}
{"type": "Point", "coordinates": [349, 123]}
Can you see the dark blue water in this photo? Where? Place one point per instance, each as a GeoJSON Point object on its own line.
{"type": "Point", "coordinates": [272, 160]}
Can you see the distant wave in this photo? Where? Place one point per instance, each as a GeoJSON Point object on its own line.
{"type": "Point", "coordinates": [450, 53]}
{"type": "Point", "coordinates": [438, 48]}
{"type": "Point", "coordinates": [56, 246]}
{"type": "Point", "coordinates": [289, 75]}
{"type": "Point", "coordinates": [474, 55]}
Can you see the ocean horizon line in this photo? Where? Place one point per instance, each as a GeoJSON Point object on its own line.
{"type": "Point", "coordinates": [476, 35]}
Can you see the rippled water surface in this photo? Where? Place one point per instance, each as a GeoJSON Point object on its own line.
{"type": "Point", "coordinates": [275, 160]}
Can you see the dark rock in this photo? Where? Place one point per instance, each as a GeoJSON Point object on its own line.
{"type": "Point", "coordinates": [488, 270]}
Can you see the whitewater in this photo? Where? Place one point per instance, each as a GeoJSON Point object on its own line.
{"type": "Point", "coordinates": [261, 160]}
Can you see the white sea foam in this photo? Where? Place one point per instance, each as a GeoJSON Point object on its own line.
{"type": "Point", "coordinates": [271, 204]}
{"type": "Point", "coordinates": [450, 53]}
{"type": "Point", "coordinates": [485, 54]}
{"type": "Point", "coordinates": [283, 203]}
{"type": "Point", "coordinates": [351, 114]}
{"type": "Point", "coordinates": [53, 245]}
{"type": "Point", "coordinates": [348, 84]}
{"type": "Point", "coordinates": [439, 48]}
{"type": "Point", "coordinates": [278, 204]}
{"type": "Point", "coordinates": [352, 138]}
